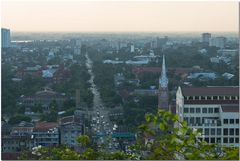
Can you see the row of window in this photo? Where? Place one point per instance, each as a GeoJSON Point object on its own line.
{"type": "Point", "coordinates": [198, 121]}
{"type": "Point", "coordinates": [231, 121]}
{"type": "Point", "coordinates": [219, 140]}
{"type": "Point", "coordinates": [230, 131]}
{"type": "Point", "coordinates": [199, 110]}
{"type": "Point", "coordinates": [218, 131]}
{"type": "Point", "coordinates": [212, 97]}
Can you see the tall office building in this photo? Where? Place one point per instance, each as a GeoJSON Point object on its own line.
{"type": "Point", "coordinates": [212, 110]}
{"type": "Point", "coordinates": [5, 38]}
{"type": "Point", "coordinates": [163, 88]}
{"type": "Point", "coordinates": [206, 37]}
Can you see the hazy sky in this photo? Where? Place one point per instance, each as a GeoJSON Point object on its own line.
{"type": "Point", "coordinates": [83, 16]}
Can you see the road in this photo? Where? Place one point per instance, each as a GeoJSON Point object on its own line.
{"type": "Point", "coordinates": [100, 119]}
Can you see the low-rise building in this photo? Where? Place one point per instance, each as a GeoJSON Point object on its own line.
{"type": "Point", "coordinates": [46, 134]}
{"type": "Point", "coordinates": [12, 143]}
{"type": "Point", "coordinates": [212, 110]}
{"type": "Point", "coordinates": [44, 98]}
{"type": "Point", "coordinates": [70, 128]}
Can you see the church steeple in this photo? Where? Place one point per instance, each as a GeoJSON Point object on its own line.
{"type": "Point", "coordinates": [163, 80]}
{"type": "Point", "coordinates": [163, 88]}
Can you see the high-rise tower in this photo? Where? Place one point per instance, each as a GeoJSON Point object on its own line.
{"type": "Point", "coordinates": [163, 88]}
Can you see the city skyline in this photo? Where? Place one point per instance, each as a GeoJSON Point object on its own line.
{"type": "Point", "coordinates": [125, 16]}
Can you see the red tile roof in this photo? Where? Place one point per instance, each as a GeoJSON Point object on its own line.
{"type": "Point", "coordinates": [211, 91]}
{"type": "Point", "coordinates": [45, 126]}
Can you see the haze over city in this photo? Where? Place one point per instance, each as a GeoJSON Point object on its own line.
{"type": "Point", "coordinates": [125, 16]}
{"type": "Point", "coordinates": [111, 80]}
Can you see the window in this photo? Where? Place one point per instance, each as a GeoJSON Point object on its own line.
{"type": "Point", "coordinates": [196, 97]}
{"type": "Point", "coordinates": [212, 131]}
{"type": "Point", "coordinates": [227, 97]}
{"type": "Point", "coordinates": [191, 110]}
{"type": "Point", "coordinates": [225, 140]}
{"type": "Point", "coordinates": [215, 97]}
{"type": "Point", "coordinates": [198, 110]}
{"type": "Point", "coordinates": [216, 110]}
{"type": "Point", "coordinates": [208, 98]}
{"type": "Point", "coordinates": [198, 120]}
{"type": "Point", "coordinates": [236, 140]}
{"type": "Point", "coordinates": [231, 140]}
{"type": "Point", "coordinates": [231, 121]}
{"type": "Point", "coordinates": [206, 132]}
{"type": "Point", "coordinates": [210, 110]}
{"type": "Point", "coordinates": [237, 131]}
{"type": "Point", "coordinates": [237, 121]}
{"type": "Point", "coordinates": [218, 140]}
{"type": "Point", "coordinates": [186, 119]}
{"type": "Point", "coordinates": [202, 98]}
{"type": "Point", "coordinates": [207, 140]}
{"type": "Point", "coordinates": [220, 97]}
{"type": "Point", "coordinates": [225, 121]}
{"type": "Point", "coordinates": [191, 120]}
{"type": "Point", "coordinates": [212, 140]}
{"type": "Point", "coordinates": [225, 131]}
{"type": "Point", "coordinates": [190, 98]}
{"type": "Point", "coordinates": [231, 131]}
{"type": "Point", "coordinates": [204, 110]}
{"type": "Point", "coordinates": [219, 131]}
{"type": "Point", "coordinates": [185, 110]}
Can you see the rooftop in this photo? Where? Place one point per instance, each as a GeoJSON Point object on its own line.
{"type": "Point", "coordinates": [211, 91]}
{"type": "Point", "coordinates": [45, 126]}
{"type": "Point", "coordinates": [230, 108]}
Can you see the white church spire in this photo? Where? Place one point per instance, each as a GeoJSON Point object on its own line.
{"type": "Point", "coordinates": [163, 80]}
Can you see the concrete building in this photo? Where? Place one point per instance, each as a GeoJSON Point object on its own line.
{"type": "Point", "coordinates": [5, 38]}
{"type": "Point", "coordinates": [212, 110]}
{"type": "Point", "coordinates": [228, 52]}
{"type": "Point", "coordinates": [46, 134]}
{"type": "Point", "coordinates": [206, 37]}
{"type": "Point", "coordinates": [19, 138]}
{"type": "Point", "coordinates": [218, 42]}
{"type": "Point", "coordinates": [70, 128]}
{"type": "Point", "coordinates": [45, 98]}
{"type": "Point", "coordinates": [12, 143]}
{"type": "Point", "coordinates": [132, 48]}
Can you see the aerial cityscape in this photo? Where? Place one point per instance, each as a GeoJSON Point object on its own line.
{"type": "Point", "coordinates": [119, 94]}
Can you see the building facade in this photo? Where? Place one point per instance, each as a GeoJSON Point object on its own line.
{"type": "Point", "coordinates": [5, 38]}
{"type": "Point", "coordinates": [44, 98]}
{"type": "Point", "coordinates": [163, 88]}
{"type": "Point", "coordinates": [70, 128]}
{"type": "Point", "coordinates": [218, 42]}
{"type": "Point", "coordinates": [46, 134]}
{"type": "Point", "coordinates": [212, 110]}
{"type": "Point", "coordinates": [206, 37]}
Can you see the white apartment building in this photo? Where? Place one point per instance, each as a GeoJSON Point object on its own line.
{"type": "Point", "coordinates": [212, 110]}
{"type": "Point", "coordinates": [218, 42]}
